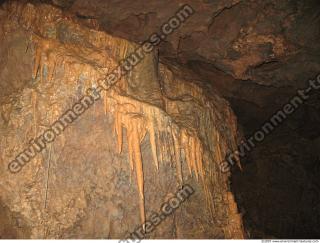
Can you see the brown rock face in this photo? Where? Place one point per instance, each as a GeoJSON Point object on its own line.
{"type": "Point", "coordinates": [135, 145]}
{"type": "Point", "coordinates": [255, 54]}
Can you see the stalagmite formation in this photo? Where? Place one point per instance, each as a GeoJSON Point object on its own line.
{"type": "Point", "coordinates": [184, 128]}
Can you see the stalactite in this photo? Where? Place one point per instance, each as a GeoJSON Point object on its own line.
{"type": "Point", "coordinates": [153, 143]}
{"type": "Point", "coordinates": [177, 153]}
{"type": "Point", "coordinates": [118, 131]}
{"type": "Point", "coordinates": [45, 55]}
{"type": "Point", "coordinates": [185, 141]}
{"type": "Point", "coordinates": [199, 160]}
{"type": "Point", "coordinates": [51, 65]}
{"type": "Point", "coordinates": [139, 169]}
{"type": "Point", "coordinates": [193, 156]}
{"type": "Point", "coordinates": [163, 134]}
{"type": "Point", "coordinates": [130, 147]}
{"type": "Point", "coordinates": [37, 61]}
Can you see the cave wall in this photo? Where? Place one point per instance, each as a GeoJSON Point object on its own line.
{"type": "Point", "coordinates": [99, 179]}
{"type": "Point", "coordinates": [255, 54]}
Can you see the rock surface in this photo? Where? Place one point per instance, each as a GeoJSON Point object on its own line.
{"type": "Point", "coordinates": [254, 53]}
{"type": "Point", "coordinates": [99, 178]}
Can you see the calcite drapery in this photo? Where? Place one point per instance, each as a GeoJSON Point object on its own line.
{"type": "Point", "coordinates": [185, 125]}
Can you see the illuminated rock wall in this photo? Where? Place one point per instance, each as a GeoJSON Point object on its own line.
{"type": "Point", "coordinates": [148, 135]}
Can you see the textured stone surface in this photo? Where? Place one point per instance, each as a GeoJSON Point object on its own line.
{"type": "Point", "coordinates": [256, 54]}
{"type": "Point", "coordinates": [80, 186]}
